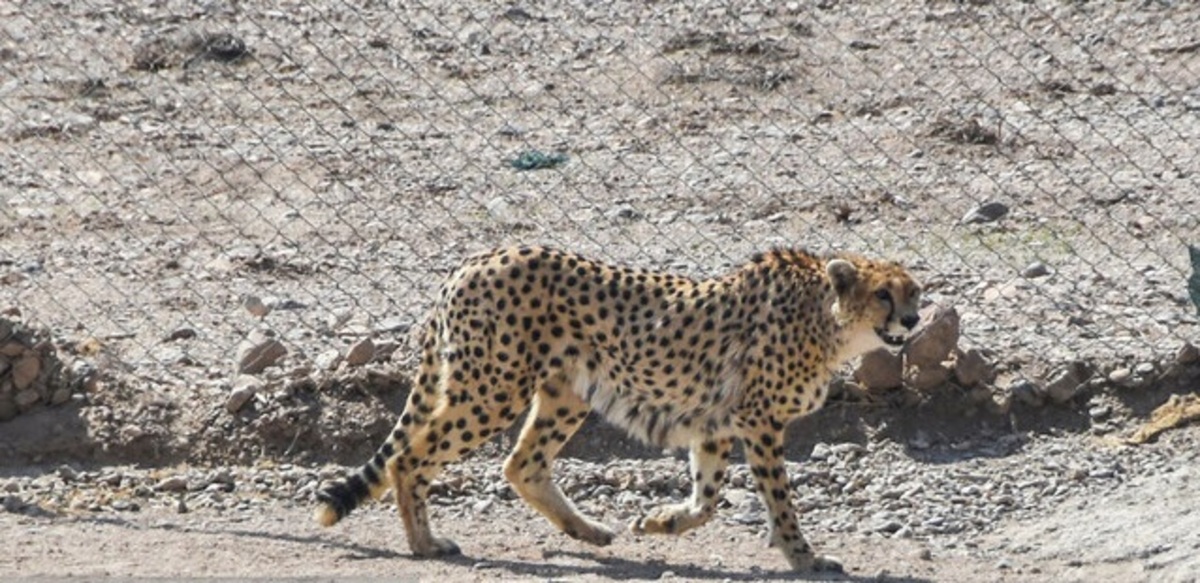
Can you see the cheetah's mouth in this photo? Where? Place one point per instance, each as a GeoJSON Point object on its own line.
{"type": "Point", "coordinates": [890, 339]}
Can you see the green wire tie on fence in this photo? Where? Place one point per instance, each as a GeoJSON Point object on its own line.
{"type": "Point", "coordinates": [535, 160]}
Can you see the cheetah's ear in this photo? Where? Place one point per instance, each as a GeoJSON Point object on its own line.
{"type": "Point", "coordinates": [842, 273]}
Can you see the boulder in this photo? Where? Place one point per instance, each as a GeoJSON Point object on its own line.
{"type": "Point", "coordinates": [934, 341]}
{"type": "Point", "coordinates": [361, 352]}
{"type": "Point", "coordinates": [880, 370]}
{"type": "Point", "coordinates": [927, 378]}
{"type": "Point", "coordinates": [258, 352]}
{"type": "Point", "coordinates": [1066, 383]}
{"type": "Point", "coordinates": [244, 389]}
{"type": "Point", "coordinates": [25, 370]}
{"type": "Point", "coordinates": [971, 369]}
{"type": "Point", "coordinates": [1025, 391]}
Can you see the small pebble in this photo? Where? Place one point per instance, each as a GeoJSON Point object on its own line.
{"type": "Point", "coordinates": [67, 473]}
{"type": "Point", "coordinates": [1035, 269]}
{"type": "Point", "coordinates": [361, 352]}
{"type": "Point", "coordinates": [985, 213]}
{"type": "Point", "coordinates": [255, 306]}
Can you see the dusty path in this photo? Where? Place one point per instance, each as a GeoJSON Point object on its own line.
{"type": "Point", "coordinates": [1142, 542]}
{"type": "Point", "coordinates": [1143, 528]}
{"type": "Point", "coordinates": [282, 540]}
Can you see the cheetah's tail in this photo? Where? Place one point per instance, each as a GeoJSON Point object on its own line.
{"type": "Point", "coordinates": [342, 496]}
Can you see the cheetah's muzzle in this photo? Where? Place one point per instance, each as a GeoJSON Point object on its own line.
{"type": "Point", "coordinates": [890, 339]}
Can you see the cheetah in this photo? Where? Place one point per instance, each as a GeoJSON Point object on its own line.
{"type": "Point", "coordinates": [674, 361]}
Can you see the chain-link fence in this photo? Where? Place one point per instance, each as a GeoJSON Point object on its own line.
{"type": "Point", "coordinates": [164, 163]}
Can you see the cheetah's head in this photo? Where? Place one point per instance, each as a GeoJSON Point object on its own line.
{"type": "Point", "coordinates": [876, 301]}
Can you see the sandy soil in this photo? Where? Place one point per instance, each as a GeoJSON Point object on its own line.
{"type": "Point", "coordinates": [358, 153]}
{"type": "Point", "coordinates": [1142, 529]}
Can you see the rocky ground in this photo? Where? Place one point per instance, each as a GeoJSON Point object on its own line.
{"type": "Point", "coordinates": [939, 489]}
{"type": "Point", "coordinates": [996, 506]}
{"type": "Point", "coordinates": [220, 222]}
{"type": "Point", "coordinates": [163, 164]}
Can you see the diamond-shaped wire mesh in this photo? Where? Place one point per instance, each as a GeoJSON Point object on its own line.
{"type": "Point", "coordinates": [153, 173]}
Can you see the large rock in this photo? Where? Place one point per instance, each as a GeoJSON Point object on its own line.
{"type": "Point", "coordinates": [980, 396]}
{"type": "Point", "coordinates": [172, 484]}
{"type": "Point", "coordinates": [880, 370]}
{"type": "Point", "coordinates": [30, 370]}
{"type": "Point", "coordinates": [27, 399]}
{"type": "Point", "coordinates": [60, 395]}
{"type": "Point", "coordinates": [1187, 354]}
{"type": "Point", "coordinates": [328, 360]}
{"type": "Point", "coordinates": [244, 389]}
{"type": "Point", "coordinates": [25, 370]}
{"type": "Point", "coordinates": [258, 352]}
{"type": "Point", "coordinates": [1066, 383]}
{"type": "Point", "coordinates": [361, 352]}
{"type": "Point", "coordinates": [972, 369]}
{"type": "Point", "coordinates": [13, 348]}
{"type": "Point", "coordinates": [927, 378]}
{"type": "Point", "coordinates": [934, 341]}
{"type": "Point", "coordinates": [1027, 392]}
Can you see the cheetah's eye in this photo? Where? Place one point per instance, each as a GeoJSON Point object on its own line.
{"type": "Point", "coordinates": [883, 295]}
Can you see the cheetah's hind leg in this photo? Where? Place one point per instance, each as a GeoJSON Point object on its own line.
{"type": "Point", "coordinates": [450, 432]}
{"type": "Point", "coordinates": [556, 416]}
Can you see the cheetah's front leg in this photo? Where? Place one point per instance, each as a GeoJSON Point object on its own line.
{"type": "Point", "coordinates": [708, 461]}
{"type": "Point", "coordinates": [764, 452]}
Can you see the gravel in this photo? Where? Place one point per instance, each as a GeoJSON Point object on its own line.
{"type": "Point", "coordinates": [880, 487]}
{"type": "Point", "coordinates": [272, 197]}
{"type": "Point", "coordinates": [948, 495]}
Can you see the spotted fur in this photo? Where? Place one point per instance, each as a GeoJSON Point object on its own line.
{"type": "Point", "coordinates": [674, 361]}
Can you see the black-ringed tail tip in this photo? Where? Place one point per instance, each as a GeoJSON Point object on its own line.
{"type": "Point", "coordinates": [335, 503]}
{"type": "Point", "coordinates": [341, 497]}
{"type": "Point", "coordinates": [326, 515]}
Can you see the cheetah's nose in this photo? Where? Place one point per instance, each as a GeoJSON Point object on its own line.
{"type": "Point", "coordinates": [910, 321]}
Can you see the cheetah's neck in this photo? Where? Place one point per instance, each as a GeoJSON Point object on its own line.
{"type": "Point", "coordinates": [853, 342]}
